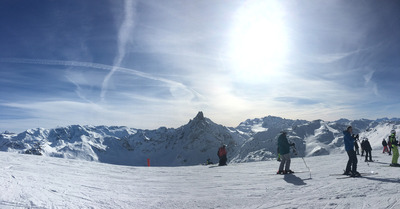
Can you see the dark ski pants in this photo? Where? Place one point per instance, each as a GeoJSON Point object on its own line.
{"type": "Point", "coordinates": [368, 155]}
{"type": "Point", "coordinates": [352, 163]}
{"type": "Point", "coordinates": [222, 160]}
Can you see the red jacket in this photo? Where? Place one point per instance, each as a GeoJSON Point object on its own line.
{"type": "Point", "coordinates": [221, 151]}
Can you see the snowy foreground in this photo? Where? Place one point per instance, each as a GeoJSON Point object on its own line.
{"type": "Point", "coordinates": [29, 181]}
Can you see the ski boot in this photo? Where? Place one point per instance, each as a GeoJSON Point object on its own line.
{"type": "Point", "coordinates": [288, 172]}
{"type": "Point", "coordinates": [355, 174]}
{"type": "Point", "coordinates": [347, 173]}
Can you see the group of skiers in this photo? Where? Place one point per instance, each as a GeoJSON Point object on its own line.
{"type": "Point", "coordinates": [351, 147]}
{"type": "Point", "coordinates": [350, 144]}
{"type": "Point", "coordinates": [349, 141]}
{"type": "Point", "coordinates": [365, 147]}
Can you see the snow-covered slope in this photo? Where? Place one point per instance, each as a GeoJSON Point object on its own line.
{"type": "Point", "coordinates": [193, 143]}
{"type": "Point", "coordinates": [381, 131]}
{"type": "Point", "coordinates": [29, 181]}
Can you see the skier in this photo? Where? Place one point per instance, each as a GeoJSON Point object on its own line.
{"type": "Point", "coordinates": [384, 144]}
{"type": "Point", "coordinates": [209, 162]}
{"type": "Point", "coordinates": [222, 155]}
{"type": "Point", "coordinates": [351, 168]}
{"type": "Point", "coordinates": [368, 149]}
{"type": "Point", "coordinates": [394, 143]}
{"type": "Point", "coordinates": [390, 146]}
{"type": "Point", "coordinates": [362, 147]}
{"type": "Point", "coordinates": [356, 145]}
{"type": "Point", "coordinates": [284, 151]}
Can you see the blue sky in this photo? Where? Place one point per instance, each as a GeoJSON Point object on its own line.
{"type": "Point", "coordinates": [147, 64]}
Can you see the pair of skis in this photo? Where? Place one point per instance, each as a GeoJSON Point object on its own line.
{"type": "Point", "coordinates": [348, 176]}
{"type": "Point", "coordinates": [273, 174]}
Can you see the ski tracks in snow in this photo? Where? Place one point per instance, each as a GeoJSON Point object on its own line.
{"type": "Point", "coordinates": [42, 182]}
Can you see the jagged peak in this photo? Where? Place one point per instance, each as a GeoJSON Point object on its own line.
{"type": "Point", "coordinates": [199, 116]}
{"type": "Point", "coordinates": [199, 119]}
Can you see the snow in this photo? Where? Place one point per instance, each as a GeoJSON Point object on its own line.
{"type": "Point", "coordinates": [258, 128]}
{"type": "Point", "coordinates": [30, 181]}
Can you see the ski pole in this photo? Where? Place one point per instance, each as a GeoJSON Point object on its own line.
{"type": "Point", "coordinates": [295, 151]}
{"type": "Point", "coordinates": [306, 166]}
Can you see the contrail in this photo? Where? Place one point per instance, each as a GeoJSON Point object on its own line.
{"type": "Point", "coordinates": [123, 38]}
{"type": "Point", "coordinates": [101, 67]}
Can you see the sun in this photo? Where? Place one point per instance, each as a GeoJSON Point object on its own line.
{"type": "Point", "coordinates": [258, 46]}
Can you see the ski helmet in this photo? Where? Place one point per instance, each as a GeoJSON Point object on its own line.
{"type": "Point", "coordinates": [285, 131]}
{"type": "Point", "coordinates": [393, 132]}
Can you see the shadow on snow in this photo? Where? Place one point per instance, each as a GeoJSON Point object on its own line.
{"type": "Point", "coordinates": [387, 180]}
{"type": "Point", "coordinates": [293, 179]}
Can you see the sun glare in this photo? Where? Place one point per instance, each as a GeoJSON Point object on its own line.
{"type": "Point", "coordinates": [259, 41]}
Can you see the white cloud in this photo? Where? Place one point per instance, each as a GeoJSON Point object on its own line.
{"type": "Point", "coordinates": [329, 58]}
{"type": "Point", "coordinates": [368, 77]}
{"type": "Point", "coordinates": [124, 36]}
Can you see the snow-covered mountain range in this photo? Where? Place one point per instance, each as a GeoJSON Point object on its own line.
{"type": "Point", "coordinates": [193, 143]}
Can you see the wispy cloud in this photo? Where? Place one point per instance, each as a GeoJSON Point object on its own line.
{"type": "Point", "coordinates": [55, 112]}
{"type": "Point", "coordinates": [297, 100]}
{"type": "Point", "coordinates": [329, 58]}
{"type": "Point", "coordinates": [173, 85]}
{"type": "Point", "coordinates": [368, 77]}
{"type": "Point", "coordinates": [124, 36]}
{"type": "Point", "coordinates": [130, 108]}
{"type": "Point", "coordinates": [369, 82]}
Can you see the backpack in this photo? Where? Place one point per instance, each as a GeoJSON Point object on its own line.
{"type": "Point", "coordinates": [221, 152]}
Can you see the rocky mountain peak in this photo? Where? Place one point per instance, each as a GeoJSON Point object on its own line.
{"type": "Point", "coordinates": [199, 116]}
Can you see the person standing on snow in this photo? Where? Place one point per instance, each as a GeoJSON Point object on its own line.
{"type": "Point", "coordinates": [351, 168]}
{"type": "Point", "coordinates": [284, 151]}
{"type": "Point", "coordinates": [362, 147]}
{"type": "Point", "coordinates": [394, 144]}
{"type": "Point", "coordinates": [368, 149]}
{"type": "Point", "coordinates": [356, 145]}
{"type": "Point", "coordinates": [209, 162]}
{"type": "Point", "coordinates": [222, 155]}
{"type": "Point", "coordinates": [384, 144]}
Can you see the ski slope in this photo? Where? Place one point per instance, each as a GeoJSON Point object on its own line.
{"type": "Point", "coordinates": [29, 181]}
